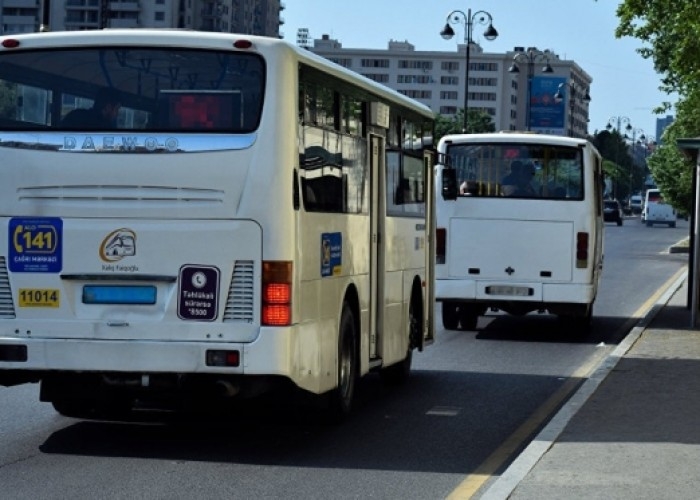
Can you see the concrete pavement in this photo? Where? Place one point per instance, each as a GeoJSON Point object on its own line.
{"type": "Point", "coordinates": [632, 431]}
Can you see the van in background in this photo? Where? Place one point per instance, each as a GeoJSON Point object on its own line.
{"type": "Point", "coordinates": [657, 211]}
{"type": "Point", "coordinates": [635, 204]}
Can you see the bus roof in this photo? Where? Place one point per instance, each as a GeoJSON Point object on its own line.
{"type": "Point", "coordinates": [524, 137]}
{"type": "Point", "coordinates": [170, 37]}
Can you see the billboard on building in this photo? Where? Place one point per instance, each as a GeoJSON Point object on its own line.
{"type": "Point", "coordinates": [546, 115]}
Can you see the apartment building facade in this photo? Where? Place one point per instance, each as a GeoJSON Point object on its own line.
{"type": "Point", "coordinates": [255, 17]}
{"type": "Point", "coordinates": [437, 79]}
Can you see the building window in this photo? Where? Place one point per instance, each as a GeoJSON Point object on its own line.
{"type": "Point", "coordinates": [424, 65]}
{"type": "Point", "coordinates": [413, 79]}
{"type": "Point", "coordinates": [159, 16]}
{"type": "Point", "coordinates": [374, 63]}
{"type": "Point", "coordinates": [449, 66]}
{"type": "Point", "coordinates": [377, 77]}
{"type": "Point", "coordinates": [449, 80]}
{"type": "Point", "coordinates": [417, 94]}
{"type": "Point", "coordinates": [448, 95]}
{"type": "Point", "coordinates": [342, 61]}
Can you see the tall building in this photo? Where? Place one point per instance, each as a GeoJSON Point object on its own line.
{"type": "Point", "coordinates": [437, 79]}
{"type": "Point", "coordinates": [661, 124]}
{"type": "Point", "coordinates": [255, 17]}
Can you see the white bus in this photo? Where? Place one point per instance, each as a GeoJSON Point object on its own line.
{"type": "Point", "coordinates": [519, 226]}
{"type": "Point", "coordinates": [256, 214]}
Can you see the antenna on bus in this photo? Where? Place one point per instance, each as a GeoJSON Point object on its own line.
{"type": "Point", "coordinates": [45, 15]}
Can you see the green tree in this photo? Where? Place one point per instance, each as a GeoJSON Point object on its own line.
{"type": "Point", "coordinates": [477, 122]}
{"type": "Point", "coordinates": [618, 164]}
{"type": "Point", "coordinates": [8, 100]}
{"type": "Point", "coordinates": [670, 34]}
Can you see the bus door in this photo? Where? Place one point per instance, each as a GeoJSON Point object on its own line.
{"type": "Point", "coordinates": [377, 213]}
{"type": "Point", "coordinates": [429, 289]}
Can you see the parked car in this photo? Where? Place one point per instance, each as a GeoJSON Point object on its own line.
{"type": "Point", "coordinates": [612, 211]}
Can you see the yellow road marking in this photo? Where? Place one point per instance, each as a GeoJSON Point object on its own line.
{"type": "Point", "coordinates": [474, 481]}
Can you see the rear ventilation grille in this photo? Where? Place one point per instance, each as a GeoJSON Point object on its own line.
{"type": "Point", "coordinates": [7, 308]}
{"type": "Point", "coordinates": [241, 294]}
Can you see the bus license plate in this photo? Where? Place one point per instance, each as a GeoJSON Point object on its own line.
{"type": "Point", "coordinates": [39, 297]}
{"type": "Point", "coordinates": [517, 291]}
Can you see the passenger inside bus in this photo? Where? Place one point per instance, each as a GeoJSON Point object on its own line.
{"type": "Point", "coordinates": [518, 181]}
{"type": "Point", "coordinates": [101, 116]}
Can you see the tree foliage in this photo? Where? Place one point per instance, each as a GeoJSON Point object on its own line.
{"type": "Point", "coordinates": [627, 177]}
{"type": "Point", "coordinates": [477, 122]}
{"type": "Point", "coordinates": [670, 34]}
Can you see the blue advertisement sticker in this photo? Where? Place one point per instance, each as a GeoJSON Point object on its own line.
{"type": "Point", "coordinates": [35, 244]}
{"type": "Point", "coordinates": [331, 254]}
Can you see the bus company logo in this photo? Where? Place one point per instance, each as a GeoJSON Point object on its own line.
{"type": "Point", "coordinates": [109, 143]}
{"type": "Point", "coordinates": [118, 244]}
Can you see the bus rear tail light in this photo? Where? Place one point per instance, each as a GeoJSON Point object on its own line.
{"type": "Point", "coordinates": [276, 293]}
{"type": "Point", "coordinates": [440, 245]}
{"type": "Point", "coordinates": [10, 43]}
{"type": "Point", "coordinates": [582, 250]}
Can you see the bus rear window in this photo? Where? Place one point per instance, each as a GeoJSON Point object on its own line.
{"type": "Point", "coordinates": [528, 171]}
{"type": "Point", "coordinates": [131, 88]}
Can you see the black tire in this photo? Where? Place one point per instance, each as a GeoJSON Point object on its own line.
{"type": "Point", "coordinates": [619, 222]}
{"type": "Point", "coordinates": [468, 317]}
{"type": "Point", "coordinates": [340, 399]}
{"type": "Point", "coordinates": [399, 372]}
{"type": "Point", "coordinates": [450, 316]}
{"type": "Point", "coordinates": [672, 224]}
{"type": "Point", "coordinates": [74, 407]}
{"type": "Point", "coordinates": [578, 323]}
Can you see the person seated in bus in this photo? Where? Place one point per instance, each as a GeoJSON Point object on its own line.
{"type": "Point", "coordinates": [469, 187]}
{"type": "Point", "coordinates": [518, 181]}
{"type": "Point", "coordinates": [101, 116]}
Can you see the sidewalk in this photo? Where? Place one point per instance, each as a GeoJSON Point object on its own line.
{"type": "Point", "coordinates": [632, 431]}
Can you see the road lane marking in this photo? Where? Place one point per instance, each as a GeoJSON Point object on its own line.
{"type": "Point", "coordinates": [474, 481]}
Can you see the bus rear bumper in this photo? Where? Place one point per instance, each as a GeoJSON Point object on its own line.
{"type": "Point", "coordinates": [455, 290]}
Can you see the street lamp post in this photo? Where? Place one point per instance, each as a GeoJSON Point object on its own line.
{"type": "Point", "coordinates": [638, 135]}
{"type": "Point", "coordinates": [468, 20]}
{"type": "Point", "coordinates": [573, 95]}
{"type": "Point", "coordinates": [616, 122]}
{"type": "Point", "coordinates": [531, 56]}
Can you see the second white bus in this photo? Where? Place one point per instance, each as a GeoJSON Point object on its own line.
{"type": "Point", "coordinates": [519, 226]}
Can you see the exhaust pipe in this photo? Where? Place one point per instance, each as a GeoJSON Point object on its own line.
{"type": "Point", "coordinates": [227, 389]}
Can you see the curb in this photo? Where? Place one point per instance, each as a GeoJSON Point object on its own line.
{"type": "Point", "coordinates": [505, 485]}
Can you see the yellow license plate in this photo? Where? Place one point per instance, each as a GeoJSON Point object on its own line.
{"type": "Point", "coordinates": [39, 297]}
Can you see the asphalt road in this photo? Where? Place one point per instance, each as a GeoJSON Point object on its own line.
{"type": "Point", "coordinates": [474, 400]}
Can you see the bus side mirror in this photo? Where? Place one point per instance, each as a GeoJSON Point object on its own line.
{"type": "Point", "coordinates": [450, 190]}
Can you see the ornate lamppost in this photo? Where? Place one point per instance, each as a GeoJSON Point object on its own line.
{"type": "Point", "coordinates": [574, 94]}
{"type": "Point", "coordinates": [530, 56]}
{"type": "Point", "coordinates": [468, 20]}
{"type": "Point", "coordinates": [616, 123]}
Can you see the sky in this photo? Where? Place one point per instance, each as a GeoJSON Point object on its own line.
{"type": "Point", "coordinates": [625, 85]}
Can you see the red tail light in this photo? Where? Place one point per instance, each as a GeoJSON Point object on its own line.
{"type": "Point", "coordinates": [276, 293]}
{"type": "Point", "coordinates": [581, 250]}
{"type": "Point", "coordinates": [440, 245]}
{"type": "Point", "coordinates": [10, 43]}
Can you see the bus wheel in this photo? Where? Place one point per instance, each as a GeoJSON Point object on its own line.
{"type": "Point", "coordinates": [74, 407]}
{"type": "Point", "coordinates": [468, 317]}
{"type": "Point", "coordinates": [450, 317]}
{"type": "Point", "coordinates": [579, 322]}
{"type": "Point", "coordinates": [341, 398]}
{"type": "Point", "coordinates": [399, 373]}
